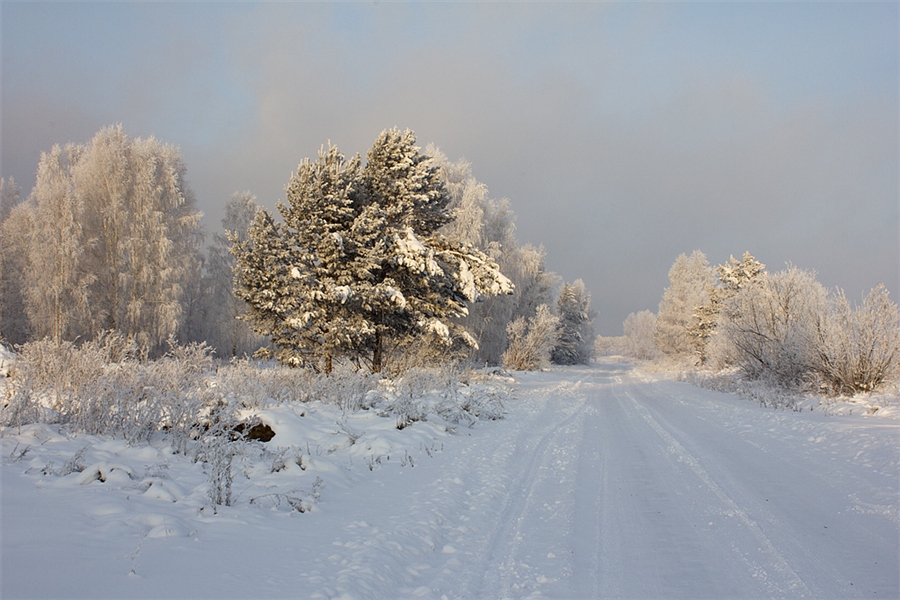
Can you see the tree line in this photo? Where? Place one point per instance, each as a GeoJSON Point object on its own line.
{"type": "Point", "coordinates": [785, 327]}
{"type": "Point", "coordinates": [397, 260]}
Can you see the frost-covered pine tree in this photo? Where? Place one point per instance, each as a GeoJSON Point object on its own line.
{"type": "Point", "coordinates": [405, 204]}
{"type": "Point", "coordinates": [359, 266]}
{"type": "Point", "coordinates": [576, 325]}
{"type": "Point", "coordinates": [690, 280]}
{"type": "Point", "coordinates": [298, 277]}
{"type": "Point", "coordinates": [422, 280]}
{"type": "Point", "coordinates": [736, 274]}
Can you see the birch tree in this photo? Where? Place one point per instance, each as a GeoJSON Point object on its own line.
{"type": "Point", "coordinates": [57, 283]}
{"type": "Point", "coordinates": [142, 219]}
{"type": "Point", "coordinates": [690, 280]}
{"type": "Point", "coordinates": [16, 223]}
{"type": "Point", "coordinates": [113, 235]}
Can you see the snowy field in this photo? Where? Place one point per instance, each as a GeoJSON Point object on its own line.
{"type": "Point", "coordinates": [599, 482]}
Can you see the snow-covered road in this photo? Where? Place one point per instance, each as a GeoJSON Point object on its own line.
{"type": "Point", "coordinates": [601, 482]}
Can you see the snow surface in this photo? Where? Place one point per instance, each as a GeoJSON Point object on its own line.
{"type": "Point", "coordinates": [600, 482]}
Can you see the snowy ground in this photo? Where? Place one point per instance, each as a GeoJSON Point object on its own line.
{"type": "Point", "coordinates": [600, 482]}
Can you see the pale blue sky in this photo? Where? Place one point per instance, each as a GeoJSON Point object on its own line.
{"type": "Point", "coordinates": [624, 134]}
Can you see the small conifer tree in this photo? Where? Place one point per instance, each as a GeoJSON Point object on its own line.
{"type": "Point", "coordinates": [576, 330]}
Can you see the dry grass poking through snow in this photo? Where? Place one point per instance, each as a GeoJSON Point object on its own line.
{"type": "Point", "coordinates": [77, 413]}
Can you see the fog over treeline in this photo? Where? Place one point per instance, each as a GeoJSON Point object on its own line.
{"type": "Point", "coordinates": [110, 241]}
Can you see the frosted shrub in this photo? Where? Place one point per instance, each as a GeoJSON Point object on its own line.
{"type": "Point", "coordinates": [252, 385]}
{"type": "Point", "coordinates": [418, 382]}
{"type": "Point", "coordinates": [405, 397]}
{"type": "Point", "coordinates": [57, 368]}
{"type": "Point", "coordinates": [451, 391]}
{"type": "Point", "coordinates": [344, 388]}
{"type": "Point", "coordinates": [83, 389]}
{"type": "Point", "coordinates": [859, 349]}
{"type": "Point", "coordinates": [217, 450]}
{"type": "Point", "coordinates": [772, 326]}
{"type": "Point", "coordinates": [531, 341]}
{"type": "Point", "coordinates": [474, 404]}
{"type": "Point", "coordinates": [786, 329]}
{"type": "Point", "coordinates": [19, 407]}
{"type": "Point", "coordinates": [733, 381]}
{"type": "Point", "coordinates": [52, 380]}
{"type": "Point", "coordinates": [241, 379]}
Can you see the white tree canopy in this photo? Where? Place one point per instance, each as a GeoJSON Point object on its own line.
{"type": "Point", "coordinates": [114, 231]}
{"type": "Point", "coordinates": [690, 280]}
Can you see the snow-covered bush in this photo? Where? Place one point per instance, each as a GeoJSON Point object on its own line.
{"type": "Point", "coordinates": [858, 349]}
{"type": "Point", "coordinates": [733, 380]}
{"type": "Point", "coordinates": [101, 389]}
{"type": "Point", "coordinates": [531, 341]}
{"type": "Point", "coordinates": [252, 384]}
{"type": "Point", "coordinates": [772, 326]}
{"type": "Point", "coordinates": [451, 391]}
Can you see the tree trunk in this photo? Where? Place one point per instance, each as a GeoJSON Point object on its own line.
{"type": "Point", "coordinates": [376, 354]}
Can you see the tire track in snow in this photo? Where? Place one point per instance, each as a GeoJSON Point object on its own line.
{"type": "Point", "coordinates": [795, 585]}
{"type": "Point", "coordinates": [500, 572]}
{"type": "Point", "coordinates": [587, 526]}
{"type": "Point", "coordinates": [461, 533]}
